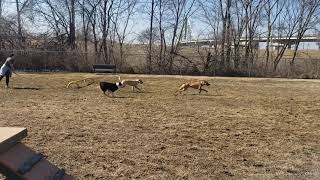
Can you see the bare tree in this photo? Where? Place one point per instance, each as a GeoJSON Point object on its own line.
{"type": "Point", "coordinates": [124, 13]}
{"type": "Point", "coordinates": [1, 19]}
{"type": "Point", "coordinates": [307, 15]}
{"type": "Point", "coordinates": [180, 9]}
{"type": "Point", "coordinates": [88, 9]}
{"type": "Point", "coordinates": [225, 6]}
{"type": "Point", "coordinates": [226, 33]}
{"type": "Point", "coordinates": [60, 15]}
{"type": "Point", "coordinates": [273, 9]}
{"type": "Point", "coordinates": [252, 11]}
{"type": "Point", "coordinates": [286, 28]}
{"type": "Point", "coordinates": [21, 5]}
{"type": "Point", "coordinates": [149, 59]}
{"type": "Point", "coordinates": [72, 23]}
{"type": "Point", "coordinates": [94, 23]}
{"type": "Point", "coordinates": [156, 57]}
{"type": "Point", "coordinates": [1, 7]}
{"type": "Point", "coordinates": [208, 10]}
{"type": "Point", "coordinates": [106, 11]}
{"type": "Point", "coordinates": [162, 4]}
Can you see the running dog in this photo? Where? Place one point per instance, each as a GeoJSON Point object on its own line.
{"type": "Point", "coordinates": [133, 83]}
{"type": "Point", "coordinates": [88, 82]}
{"type": "Point", "coordinates": [195, 84]}
{"type": "Point", "coordinates": [110, 88]}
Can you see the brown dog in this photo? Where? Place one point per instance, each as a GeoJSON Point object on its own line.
{"type": "Point", "coordinates": [86, 82]}
{"type": "Point", "coordinates": [195, 84]}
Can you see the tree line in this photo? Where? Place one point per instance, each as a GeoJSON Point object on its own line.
{"type": "Point", "coordinates": [101, 30]}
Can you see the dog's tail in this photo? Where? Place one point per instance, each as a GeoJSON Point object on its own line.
{"type": "Point", "coordinates": [119, 78]}
{"type": "Point", "coordinates": [69, 84]}
{"type": "Point", "coordinates": [179, 89]}
{"type": "Point", "coordinates": [73, 82]}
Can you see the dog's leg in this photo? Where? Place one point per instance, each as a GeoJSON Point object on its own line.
{"type": "Point", "coordinates": [138, 88]}
{"type": "Point", "coordinates": [106, 93]}
{"type": "Point", "coordinates": [110, 93]}
{"type": "Point", "coordinates": [132, 88]}
{"type": "Point", "coordinates": [70, 83]}
{"type": "Point", "coordinates": [181, 89]}
{"type": "Point", "coordinates": [199, 88]}
{"type": "Point", "coordinates": [202, 90]}
{"type": "Point", "coordinates": [176, 93]}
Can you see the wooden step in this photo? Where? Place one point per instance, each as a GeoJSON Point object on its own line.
{"type": "Point", "coordinates": [17, 161]}
{"type": "Point", "coordinates": [15, 157]}
{"type": "Point", "coordinates": [10, 136]}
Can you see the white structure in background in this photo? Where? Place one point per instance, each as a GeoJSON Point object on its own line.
{"type": "Point", "coordinates": [186, 31]}
{"type": "Point", "coordinates": [302, 46]}
{"type": "Point", "coordinates": [307, 42]}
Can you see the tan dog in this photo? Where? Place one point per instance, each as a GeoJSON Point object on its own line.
{"type": "Point", "coordinates": [133, 83]}
{"type": "Point", "coordinates": [88, 82]}
{"type": "Point", "coordinates": [195, 84]}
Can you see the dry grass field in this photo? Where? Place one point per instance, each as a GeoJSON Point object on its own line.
{"type": "Point", "coordinates": [241, 129]}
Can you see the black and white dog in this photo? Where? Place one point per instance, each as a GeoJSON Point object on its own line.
{"type": "Point", "coordinates": [110, 87]}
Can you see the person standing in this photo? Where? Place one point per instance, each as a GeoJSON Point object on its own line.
{"type": "Point", "coordinates": [7, 68]}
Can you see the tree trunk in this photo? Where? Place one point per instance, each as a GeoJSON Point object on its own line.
{"type": "Point", "coordinates": [268, 43]}
{"type": "Point", "coordinates": [161, 37]}
{"type": "Point", "coordinates": [20, 36]}
{"type": "Point", "coordinates": [72, 28]}
{"type": "Point", "coordinates": [85, 32]}
{"type": "Point", "coordinates": [228, 35]}
{"type": "Point", "coordinates": [95, 40]}
{"type": "Point", "coordinates": [149, 60]}
{"type": "Point", "coordinates": [223, 40]}
{"type": "Point", "coordinates": [1, 4]}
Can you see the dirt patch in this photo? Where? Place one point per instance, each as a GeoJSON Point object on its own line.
{"type": "Point", "coordinates": [242, 128]}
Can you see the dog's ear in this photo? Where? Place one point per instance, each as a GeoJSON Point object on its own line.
{"type": "Point", "coordinates": [204, 82]}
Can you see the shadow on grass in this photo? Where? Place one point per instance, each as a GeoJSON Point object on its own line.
{"type": "Point", "coordinates": [206, 94]}
{"type": "Point", "coordinates": [143, 92]}
{"type": "Point", "coordinates": [122, 97]}
{"type": "Point", "coordinates": [27, 88]}
{"type": "Point", "coordinates": [118, 97]}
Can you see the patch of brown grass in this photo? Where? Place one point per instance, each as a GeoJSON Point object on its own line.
{"type": "Point", "coordinates": [248, 128]}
